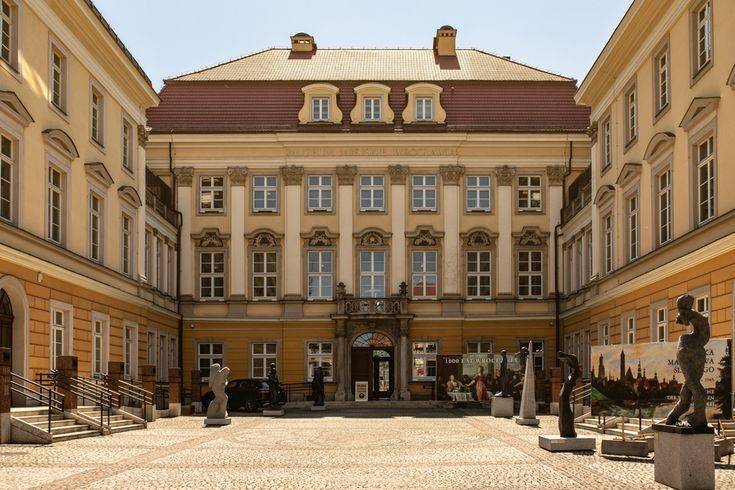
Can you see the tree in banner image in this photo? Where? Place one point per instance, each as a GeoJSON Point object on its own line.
{"type": "Point", "coordinates": [723, 396]}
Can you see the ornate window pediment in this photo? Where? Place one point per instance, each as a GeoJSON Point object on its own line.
{"type": "Point", "coordinates": [531, 236]}
{"type": "Point", "coordinates": [264, 239]}
{"type": "Point", "coordinates": [603, 194]}
{"type": "Point", "coordinates": [698, 109]}
{"type": "Point", "coordinates": [372, 238]}
{"type": "Point", "coordinates": [129, 194]}
{"type": "Point", "coordinates": [210, 238]}
{"type": "Point", "coordinates": [659, 143]}
{"type": "Point", "coordinates": [11, 106]}
{"type": "Point", "coordinates": [628, 174]}
{"type": "Point", "coordinates": [425, 237]}
{"type": "Point", "coordinates": [98, 171]}
{"type": "Point", "coordinates": [61, 142]}
{"type": "Point", "coordinates": [319, 237]}
{"type": "Point", "coordinates": [478, 239]}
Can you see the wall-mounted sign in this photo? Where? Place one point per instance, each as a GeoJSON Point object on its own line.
{"type": "Point", "coordinates": [361, 391]}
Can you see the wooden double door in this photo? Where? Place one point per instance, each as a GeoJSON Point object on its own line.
{"type": "Point", "coordinates": [376, 366]}
{"type": "Point", "coordinates": [6, 321]}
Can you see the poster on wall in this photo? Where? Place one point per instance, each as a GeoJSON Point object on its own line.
{"type": "Point", "coordinates": [471, 377]}
{"type": "Point", "coordinates": [647, 376]}
{"type": "Point", "coordinates": [361, 391]}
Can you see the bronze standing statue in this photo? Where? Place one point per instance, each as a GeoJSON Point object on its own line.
{"type": "Point", "coordinates": [505, 376]}
{"type": "Point", "coordinates": [691, 356]}
{"type": "Point", "coordinates": [566, 416]}
{"type": "Point", "coordinates": [317, 387]}
{"type": "Point", "coordinates": [274, 387]}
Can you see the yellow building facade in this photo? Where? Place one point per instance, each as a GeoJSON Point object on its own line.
{"type": "Point", "coordinates": [652, 218]}
{"type": "Point", "coordinates": [74, 205]}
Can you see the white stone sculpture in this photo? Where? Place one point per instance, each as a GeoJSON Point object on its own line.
{"type": "Point", "coordinates": [217, 410]}
{"type": "Point", "coordinates": [527, 415]}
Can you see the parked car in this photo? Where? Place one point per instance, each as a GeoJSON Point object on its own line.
{"type": "Point", "coordinates": [247, 395]}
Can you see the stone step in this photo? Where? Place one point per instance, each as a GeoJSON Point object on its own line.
{"type": "Point", "coordinates": [124, 428]}
{"type": "Point", "coordinates": [69, 429]}
{"type": "Point", "coordinates": [29, 411]}
{"type": "Point", "coordinates": [32, 419]}
{"type": "Point", "coordinates": [54, 423]}
{"type": "Point", "coordinates": [120, 422]}
{"type": "Point", "coordinates": [96, 416]}
{"type": "Point", "coordinates": [74, 435]}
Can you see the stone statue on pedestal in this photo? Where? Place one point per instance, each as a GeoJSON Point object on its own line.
{"type": "Point", "coordinates": [317, 387]}
{"type": "Point", "coordinates": [274, 388]}
{"type": "Point", "coordinates": [217, 410]}
{"type": "Point", "coordinates": [566, 416]}
{"type": "Point", "coordinates": [691, 357]}
{"type": "Point", "coordinates": [505, 377]}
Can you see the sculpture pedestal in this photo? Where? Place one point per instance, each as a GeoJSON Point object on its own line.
{"type": "Point", "coordinates": [564, 444]}
{"type": "Point", "coordinates": [501, 406]}
{"type": "Point", "coordinates": [533, 422]}
{"type": "Point", "coordinates": [318, 408]}
{"type": "Point", "coordinates": [628, 447]}
{"type": "Point", "coordinates": [684, 457]}
{"type": "Point", "coordinates": [217, 422]}
{"type": "Point", "coordinates": [554, 408]}
{"type": "Point", "coordinates": [273, 413]}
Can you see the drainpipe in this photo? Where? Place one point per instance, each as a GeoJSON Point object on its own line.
{"type": "Point", "coordinates": [557, 228]}
{"type": "Point", "coordinates": [178, 255]}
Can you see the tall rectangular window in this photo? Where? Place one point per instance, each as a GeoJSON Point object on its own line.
{"type": "Point", "coordinates": [58, 326]}
{"type": "Point", "coordinates": [55, 203]}
{"type": "Point", "coordinates": [372, 193]}
{"type": "Point", "coordinates": [372, 108]}
{"type": "Point", "coordinates": [7, 167]}
{"type": "Point", "coordinates": [151, 348]}
{"type": "Point", "coordinates": [171, 270]}
{"type": "Point", "coordinates": [7, 31]}
{"type": "Point", "coordinates": [126, 244]}
{"type": "Point", "coordinates": [530, 273]}
{"type": "Point", "coordinates": [319, 192]}
{"type": "Point", "coordinates": [212, 194]}
{"type": "Point", "coordinates": [605, 334]}
{"type": "Point", "coordinates": [372, 274]}
{"type": "Point", "coordinates": [423, 192]}
{"type": "Point", "coordinates": [661, 80]}
{"type": "Point", "coordinates": [631, 113]}
{"type": "Point", "coordinates": [701, 304]}
{"type": "Point", "coordinates": [99, 346]}
{"type": "Point", "coordinates": [319, 278]}
{"type": "Point", "coordinates": [208, 354]}
{"type": "Point", "coordinates": [265, 193]}
{"type": "Point", "coordinates": [424, 361]}
{"type": "Point", "coordinates": [424, 109]}
{"type": "Point", "coordinates": [148, 251]}
{"type": "Point", "coordinates": [633, 238]}
{"type": "Point", "coordinates": [529, 193]}
{"type": "Point", "coordinates": [95, 227]}
{"type": "Point", "coordinates": [706, 180]}
{"type": "Point", "coordinates": [58, 79]}
{"type": "Point", "coordinates": [606, 144]}
{"type": "Point", "coordinates": [479, 275]}
{"type": "Point", "coordinates": [629, 330]}
{"type": "Point", "coordinates": [536, 354]}
{"type": "Point", "coordinates": [424, 274]}
{"type": "Point", "coordinates": [265, 275]}
{"type": "Point", "coordinates": [479, 347]}
{"type": "Point", "coordinates": [263, 355]}
{"type": "Point", "coordinates": [97, 117]}
{"type": "Point", "coordinates": [607, 242]}
{"type": "Point", "coordinates": [130, 351]}
{"type": "Point", "coordinates": [212, 275]}
{"type": "Point", "coordinates": [703, 35]}
{"type": "Point", "coordinates": [661, 325]}
{"type": "Point", "coordinates": [477, 193]}
{"type": "Point", "coordinates": [160, 258]}
{"type": "Point", "coordinates": [579, 262]}
{"type": "Point", "coordinates": [663, 205]}
{"type": "Point", "coordinates": [320, 109]}
{"type": "Point", "coordinates": [588, 254]}
{"type": "Point", "coordinates": [127, 146]}
{"type": "Point", "coordinates": [319, 354]}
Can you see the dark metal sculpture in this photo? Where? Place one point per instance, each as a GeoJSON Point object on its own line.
{"type": "Point", "coordinates": [505, 377]}
{"type": "Point", "coordinates": [317, 387]}
{"type": "Point", "coordinates": [691, 356]}
{"type": "Point", "coordinates": [274, 387]}
{"type": "Point", "coordinates": [566, 416]}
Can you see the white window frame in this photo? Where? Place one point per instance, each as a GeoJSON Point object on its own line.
{"type": "Point", "coordinates": [530, 274]}
{"type": "Point", "coordinates": [702, 304]}
{"type": "Point", "coordinates": [478, 274]}
{"type": "Point", "coordinates": [127, 243]}
{"type": "Point", "coordinates": [422, 273]}
{"type": "Point", "coordinates": [8, 176]}
{"type": "Point", "coordinates": [320, 195]}
{"type": "Point", "coordinates": [130, 350]}
{"type": "Point", "coordinates": [372, 274]}
{"type": "Point", "coordinates": [423, 357]}
{"type": "Point", "coordinates": [58, 78]}
{"type": "Point", "coordinates": [537, 354]}
{"type": "Point", "coordinates": [151, 349]}
{"type": "Point", "coordinates": [171, 270]}
{"type": "Point", "coordinates": [323, 279]}
{"type": "Point", "coordinates": [424, 108]}
{"type": "Point", "coordinates": [633, 221]}
{"type": "Point", "coordinates": [703, 36]}
{"type": "Point", "coordinates": [52, 189]}
{"type": "Point", "coordinates": [475, 347]}
{"type": "Point", "coordinates": [628, 328]}
{"type": "Point", "coordinates": [604, 333]}
{"type": "Point", "coordinates": [477, 192]}
{"type": "Point", "coordinates": [320, 109]}
{"type": "Point", "coordinates": [423, 192]}
{"type": "Point", "coordinates": [660, 324]}
{"type": "Point", "coordinates": [61, 321]}
{"type": "Point", "coordinates": [96, 234]}
{"type": "Point", "coordinates": [663, 206]}
{"type": "Point", "coordinates": [372, 108]}
{"type": "Point", "coordinates": [173, 354]}
{"type": "Point", "coordinates": [608, 243]}
{"type": "Point", "coordinates": [606, 144]}
{"type": "Point", "coordinates": [208, 273]}
{"type": "Point", "coordinates": [96, 115]}
{"type": "Point", "coordinates": [631, 114]}
{"type": "Point", "coordinates": [127, 153]}
{"type": "Point", "coordinates": [265, 190]}
{"type": "Point", "coordinates": [372, 190]}
{"type": "Point", "coordinates": [262, 359]}
{"type": "Point", "coordinates": [525, 191]}
{"type": "Point", "coordinates": [9, 28]}
{"type": "Point", "coordinates": [661, 80]}
{"type": "Point", "coordinates": [101, 334]}
{"type": "Point", "coordinates": [148, 240]}
{"type": "Point", "coordinates": [211, 187]}
{"type": "Point", "coordinates": [211, 357]}
{"type": "Point", "coordinates": [265, 274]}
{"type": "Point", "coordinates": [319, 357]}
{"type": "Point", "coordinates": [706, 190]}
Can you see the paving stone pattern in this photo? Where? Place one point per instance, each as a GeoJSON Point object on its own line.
{"type": "Point", "coordinates": [429, 448]}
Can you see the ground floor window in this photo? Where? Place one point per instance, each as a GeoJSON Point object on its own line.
{"type": "Point", "coordinates": [209, 354]}
{"type": "Point", "coordinates": [661, 324]}
{"type": "Point", "coordinates": [424, 361]}
{"type": "Point", "coordinates": [536, 354]}
{"type": "Point", "coordinates": [130, 351]}
{"type": "Point", "coordinates": [99, 328]}
{"type": "Point", "coordinates": [320, 354]}
{"type": "Point", "coordinates": [479, 347]}
{"type": "Point", "coordinates": [58, 325]}
{"type": "Point", "coordinates": [263, 355]}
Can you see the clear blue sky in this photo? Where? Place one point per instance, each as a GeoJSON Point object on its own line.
{"type": "Point", "coordinates": [170, 37]}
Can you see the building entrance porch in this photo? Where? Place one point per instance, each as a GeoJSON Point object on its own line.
{"type": "Point", "coordinates": [373, 361]}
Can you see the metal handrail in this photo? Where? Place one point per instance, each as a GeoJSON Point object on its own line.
{"type": "Point", "coordinates": [83, 389]}
{"type": "Point", "coordinates": [52, 399]}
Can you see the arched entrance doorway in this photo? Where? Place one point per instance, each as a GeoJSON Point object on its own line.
{"type": "Point", "coordinates": [14, 322]}
{"type": "Point", "coordinates": [6, 321]}
{"type": "Point", "coordinates": [373, 361]}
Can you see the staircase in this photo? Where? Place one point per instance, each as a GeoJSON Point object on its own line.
{"type": "Point", "coordinates": [61, 428]}
{"type": "Point", "coordinates": [117, 423]}
{"type": "Point", "coordinates": [613, 426]}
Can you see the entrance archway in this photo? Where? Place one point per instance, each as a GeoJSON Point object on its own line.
{"type": "Point", "coordinates": [373, 360]}
{"type": "Point", "coordinates": [14, 322]}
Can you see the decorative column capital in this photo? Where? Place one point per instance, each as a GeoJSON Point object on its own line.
{"type": "Point", "coordinates": [142, 136]}
{"type": "Point", "coordinates": [398, 174]}
{"type": "Point", "coordinates": [184, 176]}
{"type": "Point", "coordinates": [292, 174]}
{"type": "Point", "coordinates": [346, 174]}
{"type": "Point", "coordinates": [505, 175]}
{"type": "Point", "coordinates": [451, 174]}
{"type": "Point", "coordinates": [555, 173]}
{"type": "Point", "coordinates": [238, 175]}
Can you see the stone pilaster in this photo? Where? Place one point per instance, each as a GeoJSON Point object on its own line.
{"type": "Point", "coordinates": [292, 208]}
{"type": "Point", "coordinates": [346, 179]}
{"type": "Point", "coordinates": [405, 360]}
{"type": "Point", "coordinates": [451, 175]}
{"type": "Point", "coordinates": [555, 175]}
{"type": "Point", "coordinates": [174, 392]}
{"type": "Point", "coordinates": [505, 177]}
{"type": "Point", "coordinates": [238, 178]}
{"type": "Point", "coordinates": [340, 361]}
{"type": "Point", "coordinates": [184, 178]}
{"type": "Point", "coordinates": [398, 174]}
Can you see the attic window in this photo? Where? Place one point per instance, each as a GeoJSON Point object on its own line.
{"type": "Point", "coordinates": [424, 104]}
{"type": "Point", "coordinates": [320, 109]}
{"type": "Point", "coordinates": [320, 104]}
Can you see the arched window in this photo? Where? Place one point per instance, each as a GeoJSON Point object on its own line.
{"type": "Point", "coordinates": [372, 339]}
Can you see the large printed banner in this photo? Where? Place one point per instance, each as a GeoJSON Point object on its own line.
{"type": "Point", "coordinates": [471, 377]}
{"type": "Point", "coordinates": [626, 377]}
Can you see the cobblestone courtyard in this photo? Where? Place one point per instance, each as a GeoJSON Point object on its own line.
{"type": "Point", "coordinates": [338, 449]}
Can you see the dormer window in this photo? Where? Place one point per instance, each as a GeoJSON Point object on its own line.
{"type": "Point", "coordinates": [424, 109]}
{"type": "Point", "coordinates": [371, 104]}
{"type": "Point", "coordinates": [320, 109]}
{"type": "Point", "coordinates": [372, 109]}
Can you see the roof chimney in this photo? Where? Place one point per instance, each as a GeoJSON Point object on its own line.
{"type": "Point", "coordinates": [302, 42]}
{"type": "Point", "coordinates": [444, 41]}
